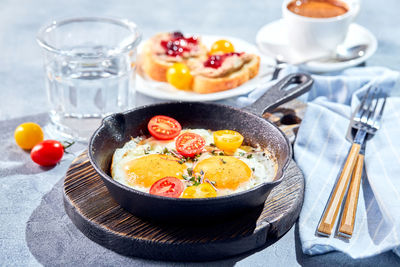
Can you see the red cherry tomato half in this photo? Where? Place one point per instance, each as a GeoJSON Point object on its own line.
{"type": "Point", "coordinates": [163, 127]}
{"type": "Point", "coordinates": [189, 144]}
{"type": "Point", "coordinates": [47, 153]}
{"type": "Point", "coordinates": [167, 187]}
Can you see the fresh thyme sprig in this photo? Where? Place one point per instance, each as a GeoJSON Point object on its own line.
{"type": "Point", "coordinates": [194, 179]}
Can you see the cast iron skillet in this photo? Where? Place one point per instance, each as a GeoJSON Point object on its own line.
{"type": "Point", "coordinates": [118, 128]}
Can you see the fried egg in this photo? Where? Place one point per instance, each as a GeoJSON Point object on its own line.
{"type": "Point", "coordinates": [226, 171]}
{"type": "Point", "coordinates": [144, 171]}
{"type": "Point", "coordinates": [142, 161]}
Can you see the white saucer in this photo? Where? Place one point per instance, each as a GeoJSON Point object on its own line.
{"type": "Point", "coordinates": [163, 90]}
{"type": "Point", "coordinates": [271, 40]}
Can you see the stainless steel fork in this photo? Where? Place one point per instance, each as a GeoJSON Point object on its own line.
{"type": "Point", "coordinates": [347, 220]}
{"type": "Point", "coordinates": [365, 121]}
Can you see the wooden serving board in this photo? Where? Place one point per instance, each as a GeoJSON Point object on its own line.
{"type": "Point", "coordinates": [92, 209]}
{"type": "Point", "coordinates": [288, 117]}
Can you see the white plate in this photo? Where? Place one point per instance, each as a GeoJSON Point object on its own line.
{"type": "Point", "coordinates": [271, 40]}
{"type": "Point", "coordinates": [163, 90]}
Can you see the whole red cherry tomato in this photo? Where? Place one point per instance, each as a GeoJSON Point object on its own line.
{"type": "Point", "coordinates": [47, 153]}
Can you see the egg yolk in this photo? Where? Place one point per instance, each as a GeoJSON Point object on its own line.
{"type": "Point", "coordinates": [144, 171]}
{"type": "Point", "coordinates": [227, 172]}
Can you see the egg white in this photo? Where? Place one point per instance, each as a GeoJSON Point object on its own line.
{"type": "Point", "coordinates": [261, 163]}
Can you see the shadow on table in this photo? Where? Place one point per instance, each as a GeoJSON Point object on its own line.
{"type": "Point", "coordinates": [54, 240]}
{"type": "Point", "coordinates": [341, 259]}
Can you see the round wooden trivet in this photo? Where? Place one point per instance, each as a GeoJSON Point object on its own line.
{"type": "Point", "coordinates": [92, 209]}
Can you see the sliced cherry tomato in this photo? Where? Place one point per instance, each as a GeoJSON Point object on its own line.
{"type": "Point", "coordinates": [222, 46]}
{"type": "Point", "coordinates": [28, 134]}
{"type": "Point", "coordinates": [47, 153]}
{"type": "Point", "coordinates": [201, 191]}
{"type": "Point", "coordinates": [167, 187]}
{"type": "Point", "coordinates": [163, 127]}
{"type": "Point", "coordinates": [228, 140]}
{"type": "Point", "coordinates": [189, 144]}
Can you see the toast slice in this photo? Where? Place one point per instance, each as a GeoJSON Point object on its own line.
{"type": "Point", "coordinates": [155, 58]}
{"type": "Point", "coordinates": [233, 74]}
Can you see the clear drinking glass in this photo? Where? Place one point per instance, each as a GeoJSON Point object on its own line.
{"type": "Point", "coordinates": [90, 71]}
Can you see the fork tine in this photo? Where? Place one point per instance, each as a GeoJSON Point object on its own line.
{"type": "Point", "coordinates": [360, 116]}
{"type": "Point", "coordinates": [365, 95]}
{"type": "Point", "coordinates": [367, 107]}
{"type": "Point", "coordinates": [378, 119]}
{"type": "Point", "coordinates": [360, 110]}
{"type": "Point", "coordinates": [371, 115]}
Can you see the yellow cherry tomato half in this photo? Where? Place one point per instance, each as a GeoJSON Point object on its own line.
{"type": "Point", "coordinates": [178, 75]}
{"type": "Point", "coordinates": [203, 190]}
{"type": "Point", "coordinates": [222, 46]}
{"type": "Point", "coordinates": [28, 134]}
{"type": "Point", "coordinates": [228, 140]}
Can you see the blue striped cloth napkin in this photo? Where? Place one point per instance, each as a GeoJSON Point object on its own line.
{"type": "Point", "coordinates": [321, 148]}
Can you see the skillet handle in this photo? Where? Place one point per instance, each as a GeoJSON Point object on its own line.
{"type": "Point", "coordinates": [279, 93]}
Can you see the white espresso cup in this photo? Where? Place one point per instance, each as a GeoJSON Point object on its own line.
{"type": "Point", "coordinates": [315, 37]}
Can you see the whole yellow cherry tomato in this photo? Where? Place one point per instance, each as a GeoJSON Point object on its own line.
{"type": "Point", "coordinates": [222, 46]}
{"type": "Point", "coordinates": [28, 134]}
{"type": "Point", "coordinates": [228, 140]}
{"type": "Point", "coordinates": [178, 75]}
{"type": "Point", "coordinates": [203, 190]}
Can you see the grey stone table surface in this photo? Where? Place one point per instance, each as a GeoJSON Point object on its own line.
{"type": "Point", "coordinates": [30, 196]}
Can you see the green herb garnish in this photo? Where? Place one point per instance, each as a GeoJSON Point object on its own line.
{"type": "Point", "coordinates": [195, 180]}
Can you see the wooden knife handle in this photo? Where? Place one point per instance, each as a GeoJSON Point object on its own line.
{"type": "Point", "coordinates": [335, 200]}
{"type": "Point", "coordinates": [350, 207]}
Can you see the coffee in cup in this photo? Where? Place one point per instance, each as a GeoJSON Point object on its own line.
{"type": "Point", "coordinates": [316, 27]}
{"type": "Point", "coordinates": [318, 8]}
